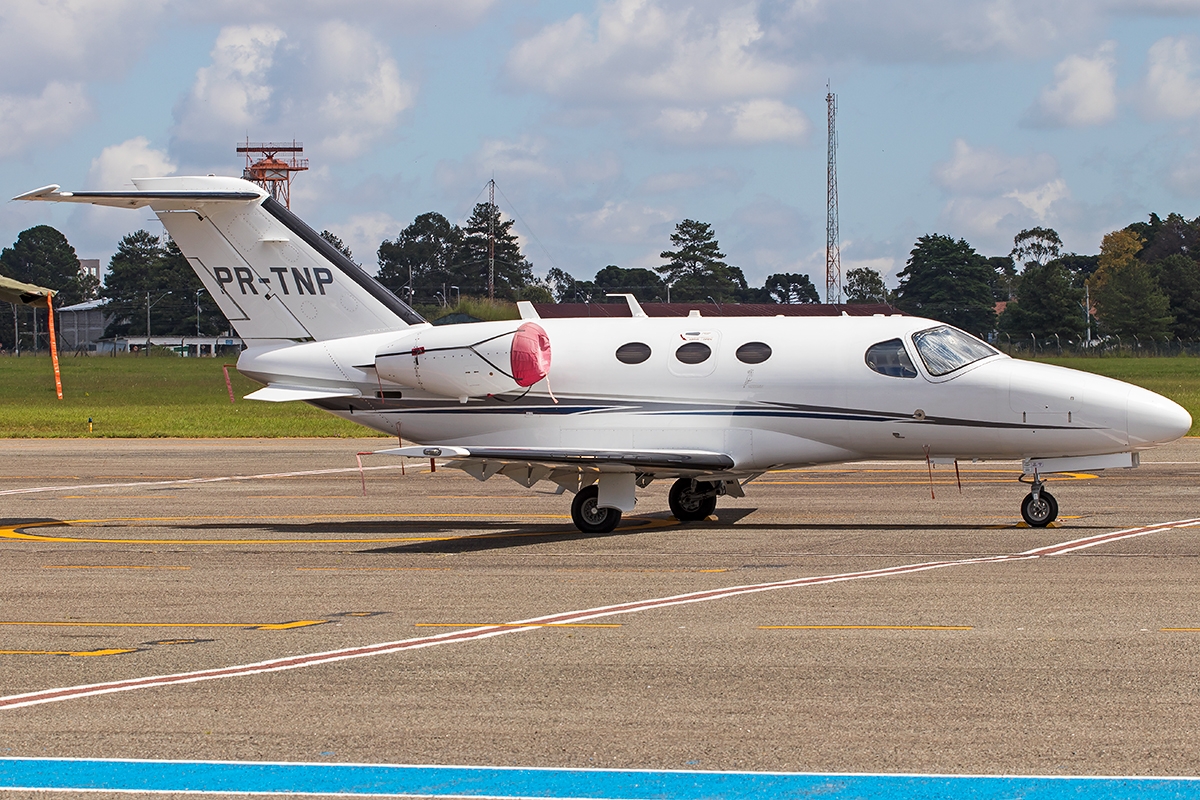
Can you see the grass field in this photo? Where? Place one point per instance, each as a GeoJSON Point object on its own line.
{"type": "Point", "coordinates": [135, 397]}
{"type": "Point", "coordinates": [131, 396]}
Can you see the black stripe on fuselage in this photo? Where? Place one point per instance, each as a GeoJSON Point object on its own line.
{"type": "Point", "coordinates": [351, 270]}
{"type": "Point", "coordinates": [589, 406]}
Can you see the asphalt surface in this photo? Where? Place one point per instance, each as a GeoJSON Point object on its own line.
{"type": "Point", "coordinates": [123, 566]}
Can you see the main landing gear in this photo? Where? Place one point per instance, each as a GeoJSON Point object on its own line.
{"type": "Point", "coordinates": [1039, 508]}
{"type": "Point", "coordinates": [587, 514]}
{"type": "Point", "coordinates": [692, 500]}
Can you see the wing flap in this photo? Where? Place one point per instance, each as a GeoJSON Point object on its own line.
{"type": "Point", "coordinates": [697, 460]}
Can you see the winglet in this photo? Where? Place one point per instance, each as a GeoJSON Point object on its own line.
{"type": "Point", "coordinates": [527, 310]}
{"type": "Point", "coordinates": [44, 193]}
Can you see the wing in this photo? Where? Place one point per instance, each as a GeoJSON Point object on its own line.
{"type": "Point", "coordinates": [571, 468]}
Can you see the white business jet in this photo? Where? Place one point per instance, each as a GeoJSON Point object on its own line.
{"type": "Point", "coordinates": [711, 403]}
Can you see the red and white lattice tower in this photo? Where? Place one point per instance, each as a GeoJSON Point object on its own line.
{"type": "Point", "coordinates": [833, 248]}
{"type": "Point", "coordinates": [265, 167]}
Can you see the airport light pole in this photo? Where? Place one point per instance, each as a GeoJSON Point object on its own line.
{"type": "Point", "coordinates": [198, 293]}
{"type": "Point", "coordinates": [150, 305]}
{"type": "Point", "coordinates": [457, 296]}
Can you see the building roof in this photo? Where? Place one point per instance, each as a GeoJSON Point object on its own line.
{"type": "Point", "coordinates": [621, 309]}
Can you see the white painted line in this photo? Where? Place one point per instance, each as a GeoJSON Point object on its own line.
{"type": "Point", "coordinates": [192, 481]}
{"type": "Point", "coordinates": [538, 623]}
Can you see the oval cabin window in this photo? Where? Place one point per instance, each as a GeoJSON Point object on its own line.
{"type": "Point", "coordinates": [754, 352]}
{"type": "Point", "coordinates": [693, 352]}
{"type": "Point", "coordinates": [633, 353]}
{"type": "Point", "coordinates": [890, 358]}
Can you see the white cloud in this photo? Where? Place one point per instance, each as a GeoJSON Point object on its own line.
{"type": "Point", "coordinates": [1084, 91]}
{"type": "Point", "coordinates": [988, 171]}
{"type": "Point", "coordinates": [362, 233]}
{"type": "Point", "coordinates": [72, 40]}
{"type": "Point", "coordinates": [1171, 87]}
{"type": "Point", "coordinates": [689, 181]}
{"type": "Point", "coordinates": [993, 194]}
{"type": "Point", "coordinates": [412, 14]}
{"type": "Point", "coordinates": [623, 222]}
{"type": "Point", "coordinates": [691, 73]}
{"type": "Point", "coordinates": [764, 120]}
{"type": "Point", "coordinates": [134, 158]}
{"type": "Point", "coordinates": [333, 83]}
{"type": "Point", "coordinates": [928, 31]}
{"type": "Point", "coordinates": [28, 120]}
{"type": "Point", "coordinates": [233, 93]}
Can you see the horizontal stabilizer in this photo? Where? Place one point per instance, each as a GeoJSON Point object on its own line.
{"type": "Point", "coordinates": [698, 460]}
{"type": "Point", "coordinates": [276, 393]}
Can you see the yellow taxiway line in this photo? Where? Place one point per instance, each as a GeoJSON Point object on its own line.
{"type": "Point", "coordinates": [258, 626]}
{"type": "Point", "coordinates": [109, 652]}
{"type": "Point", "coordinates": [866, 627]}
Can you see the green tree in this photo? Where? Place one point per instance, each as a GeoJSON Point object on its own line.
{"type": "Point", "coordinates": [145, 271]}
{"type": "Point", "coordinates": [566, 289]}
{"type": "Point", "coordinates": [791, 287]}
{"type": "Point", "coordinates": [695, 269]}
{"type": "Point", "coordinates": [947, 280]}
{"type": "Point", "coordinates": [1048, 304]}
{"type": "Point", "coordinates": [470, 266]}
{"type": "Point", "coordinates": [1179, 278]}
{"type": "Point", "coordinates": [421, 261]}
{"type": "Point", "coordinates": [1129, 301]}
{"type": "Point", "coordinates": [338, 245]}
{"type": "Point", "coordinates": [1035, 246]}
{"type": "Point", "coordinates": [865, 285]}
{"type": "Point", "coordinates": [43, 256]}
{"type": "Point", "coordinates": [644, 284]}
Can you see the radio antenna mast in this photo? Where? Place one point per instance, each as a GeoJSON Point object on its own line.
{"type": "Point", "coordinates": [833, 250]}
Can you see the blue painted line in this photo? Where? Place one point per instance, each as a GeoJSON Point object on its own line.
{"type": "Point", "coordinates": [49, 774]}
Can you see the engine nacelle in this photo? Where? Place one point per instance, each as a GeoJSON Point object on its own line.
{"type": "Point", "coordinates": [471, 360]}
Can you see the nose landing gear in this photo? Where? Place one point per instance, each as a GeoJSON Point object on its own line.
{"type": "Point", "coordinates": [1039, 508]}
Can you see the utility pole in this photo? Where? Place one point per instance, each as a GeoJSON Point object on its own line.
{"type": "Point", "coordinates": [833, 254]}
{"type": "Point", "coordinates": [492, 239]}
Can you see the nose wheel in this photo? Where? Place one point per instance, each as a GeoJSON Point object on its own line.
{"type": "Point", "coordinates": [1039, 508]}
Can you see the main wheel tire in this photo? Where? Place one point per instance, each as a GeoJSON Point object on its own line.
{"type": "Point", "coordinates": [587, 514]}
{"type": "Point", "coordinates": [1041, 512]}
{"type": "Point", "coordinates": [688, 505]}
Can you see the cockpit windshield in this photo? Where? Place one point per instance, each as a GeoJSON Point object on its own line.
{"type": "Point", "coordinates": [945, 349]}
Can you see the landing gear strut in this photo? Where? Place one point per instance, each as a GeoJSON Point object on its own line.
{"type": "Point", "coordinates": [1039, 508]}
{"type": "Point", "coordinates": [692, 500]}
{"type": "Point", "coordinates": [588, 516]}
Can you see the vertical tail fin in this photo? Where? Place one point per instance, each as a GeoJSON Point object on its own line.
{"type": "Point", "coordinates": [271, 274]}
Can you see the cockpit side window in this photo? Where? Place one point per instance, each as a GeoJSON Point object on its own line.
{"type": "Point", "coordinates": [890, 358]}
{"type": "Point", "coordinates": [946, 349]}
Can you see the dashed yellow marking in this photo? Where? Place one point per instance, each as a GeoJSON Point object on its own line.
{"type": "Point", "coordinates": [517, 625]}
{"type": "Point", "coordinates": [78, 653]}
{"type": "Point", "coordinates": [866, 627]}
{"type": "Point", "coordinates": [259, 626]}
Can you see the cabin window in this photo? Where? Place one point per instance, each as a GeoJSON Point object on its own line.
{"type": "Point", "coordinates": [946, 349]}
{"type": "Point", "coordinates": [633, 353]}
{"type": "Point", "coordinates": [693, 352]}
{"type": "Point", "coordinates": [754, 352]}
{"type": "Point", "coordinates": [890, 358]}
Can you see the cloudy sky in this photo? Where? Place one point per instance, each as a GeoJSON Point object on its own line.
{"type": "Point", "coordinates": [605, 122]}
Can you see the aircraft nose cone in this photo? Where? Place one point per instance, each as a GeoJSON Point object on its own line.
{"type": "Point", "coordinates": [1153, 419]}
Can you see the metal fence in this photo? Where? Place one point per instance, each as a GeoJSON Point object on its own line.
{"type": "Point", "coordinates": [1108, 347]}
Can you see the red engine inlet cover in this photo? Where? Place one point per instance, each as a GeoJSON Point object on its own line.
{"type": "Point", "coordinates": [530, 356]}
